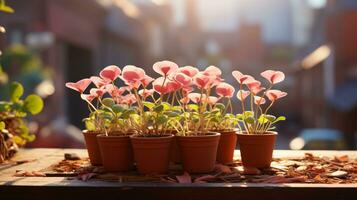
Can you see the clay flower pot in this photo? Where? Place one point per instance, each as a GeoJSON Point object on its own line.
{"type": "Point", "coordinates": [116, 152]}
{"type": "Point", "coordinates": [90, 138]}
{"type": "Point", "coordinates": [256, 149]}
{"type": "Point", "coordinates": [227, 144]}
{"type": "Point", "coordinates": [152, 154]}
{"type": "Point", "coordinates": [198, 153]}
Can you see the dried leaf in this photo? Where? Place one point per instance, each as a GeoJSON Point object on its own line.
{"type": "Point", "coordinates": [338, 174]}
{"type": "Point", "coordinates": [86, 176]}
{"type": "Point", "coordinates": [222, 168]}
{"type": "Point", "coordinates": [204, 179]}
{"type": "Point", "coordinates": [343, 158]}
{"type": "Point", "coordinates": [185, 178]}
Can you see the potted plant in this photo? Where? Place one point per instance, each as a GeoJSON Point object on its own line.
{"type": "Point", "coordinates": [198, 145]}
{"type": "Point", "coordinates": [257, 136]}
{"type": "Point", "coordinates": [13, 129]}
{"type": "Point", "coordinates": [108, 125]}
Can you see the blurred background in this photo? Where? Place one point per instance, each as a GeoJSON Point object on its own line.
{"type": "Point", "coordinates": [50, 42]}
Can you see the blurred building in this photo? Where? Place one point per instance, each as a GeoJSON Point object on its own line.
{"type": "Point", "coordinates": [326, 71]}
{"type": "Point", "coordinates": [77, 38]}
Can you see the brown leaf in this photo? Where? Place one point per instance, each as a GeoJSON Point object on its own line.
{"type": "Point", "coordinates": [343, 158]}
{"type": "Point", "coordinates": [222, 168]}
{"type": "Point", "coordinates": [204, 179]}
{"type": "Point", "coordinates": [184, 178]}
{"type": "Point", "coordinates": [86, 176]}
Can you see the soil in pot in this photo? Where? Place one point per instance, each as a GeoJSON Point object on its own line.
{"type": "Point", "coordinates": [257, 149]}
{"type": "Point", "coordinates": [152, 154]}
{"type": "Point", "coordinates": [116, 152]}
{"type": "Point", "coordinates": [226, 146]}
{"type": "Point", "coordinates": [198, 153]}
{"type": "Point", "coordinates": [90, 138]}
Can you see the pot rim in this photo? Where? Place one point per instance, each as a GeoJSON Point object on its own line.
{"type": "Point", "coordinates": [151, 138]}
{"type": "Point", "coordinates": [210, 134]}
{"type": "Point", "coordinates": [112, 136]}
{"type": "Point", "coordinates": [235, 130]}
{"type": "Point", "coordinates": [265, 134]}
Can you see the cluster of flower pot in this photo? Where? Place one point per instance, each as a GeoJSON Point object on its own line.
{"type": "Point", "coordinates": [185, 115]}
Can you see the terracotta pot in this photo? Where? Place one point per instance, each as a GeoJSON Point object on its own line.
{"type": "Point", "coordinates": [257, 149]}
{"type": "Point", "coordinates": [175, 156]}
{"type": "Point", "coordinates": [90, 138]}
{"type": "Point", "coordinates": [152, 154]}
{"type": "Point", "coordinates": [198, 153]}
{"type": "Point", "coordinates": [227, 144]}
{"type": "Point", "coordinates": [116, 152]}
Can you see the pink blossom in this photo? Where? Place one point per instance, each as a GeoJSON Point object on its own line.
{"type": "Point", "coordinates": [196, 97]}
{"type": "Point", "coordinates": [165, 67]}
{"type": "Point", "coordinates": [80, 85]}
{"type": "Point", "coordinates": [114, 91]}
{"type": "Point", "coordinates": [242, 94]}
{"type": "Point", "coordinates": [87, 97]}
{"type": "Point", "coordinates": [183, 79]}
{"type": "Point", "coordinates": [211, 100]}
{"type": "Point", "coordinates": [212, 71]}
{"type": "Point", "coordinates": [110, 73]}
{"type": "Point", "coordinates": [255, 87]}
{"type": "Point", "coordinates": [146, 80]}
{"type": "Point", "coordinates": [160, 85]}
{"type": "Point", "coordinates": [145, 92]}
{"type": "Point", "coordinates": [273, 76]}
{"type": "Point", "coordinates": [185, 100]}
{"type": "Point", "coordinates": [97, 92]}
{"type": "Point", "coordinates": [225, 90]}
{"type": "Point", "coordinates": [188, 70]}
{"type": "Point", "coordinates": [128, 99]}
{"type": "Point", "coordinates": [203, 81]}
{"type": "Point", "coordinates": [259, 100]}
{"type": "Point", "coordinates": [241, 78]}
{"type": "Point", "coordinates": [98, 82]}
{"type": "Point", "coordinates": [133, 75]}
{"type": "Point", "coordinates": [275, 94]}
{"type": "Point", "coordinates": [173, 86]}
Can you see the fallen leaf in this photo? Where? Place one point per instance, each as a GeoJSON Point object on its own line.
{"type": "Point", "coordinates": [248, 170]}
{"type": "Point", "coordinates": [343, 158]}
{"type": "Point", "coordinates": [338, 174]}
{"type": "Point", "coordinates": [86, 176]}
{"type": "Point", "coordinates": [204, 179]}
{"type": "Point", "coordinates": [222, 168]}
{"type": "Point", "coordinates": [185, 178]}
{"type": "Point", "coordinates": [71, 156]}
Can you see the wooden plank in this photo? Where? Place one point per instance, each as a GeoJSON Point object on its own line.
{"type": "Point", "coordinates": [52, 186]}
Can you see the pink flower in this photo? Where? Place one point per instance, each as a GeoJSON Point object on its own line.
{"type": "Point", "coordinates": [225, 90]}
{"type": "Point", "coordinates": [241, 78]}
{"type": "Point", "coordinates": [255, 87]}
{"type": "Point", "coordinates": [133, 75]}
{"type": "Point", "coordinates": [275, 94]}
{"type": "Point", "coordinates": [259, 100]}
{"type": "Point", "coordinates": [188, 70]}
{"type": "Point", "coordinates": [128, 99]}
{"type": "Point", "coordinates": [185, 100]}
{"type": "Point", "coordinates": [173, 85]}
{"type": "Point", "coordinates": [98, 82]}
{"type": "Point", "coordinates": [212, 71]}
{"type": "Point", "coordinates": [87, 97]}
{"type": "Point", "coordinates": [145, 92]}
{"type": "Point", "coordinates": [146, 80]}
{"type": "Point", "coordinates": [80, 85]}
{"type": "Point", "coordinates": [97, 92]}
{"type": "Point", "coordinates": [211, 100]}
{"type": "Point", "coordinates": [110, 73]}
{"type": "Point", "coordinates": [242, 94]}
{"type": "Point", "coordinates": [165, 67]}
{"type": "Point", "coordinates": [160, 85]}
{"type": "Point", "coordinates": [196, 97]}
{"type": "Point", "coordinates": [203, 81]}
{"type": "Point", "coordinates": [114, 91]}
{"type": "Point", "coordinates": [273, 76]}
{"type": "Point", "coordinates": [183, 79]}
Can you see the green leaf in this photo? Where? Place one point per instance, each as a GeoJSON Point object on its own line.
{"type": "Point", "coordinates": [5, 8]}
{"type": "Point", "coordinates": [33, 104]}
{"type": "Point", "coordinates": [2, 125]}
{"type": "Point", "coordinates": [158, 108]}
{"type": "Point", "coordinates": [109, 102]}
{"type": "Point", "coordinates": [220, 106]}
{"type": "Point", "coordinates": [263, 119]}
{"type": "Point", "coordinates": [16, 91]}
{"type": "Point", "coordinates": [172, 114]}
{"type": "Point", "coordinates": [193, 107]}
{"type": "Point", "coordinates": [166, 105]}
{"type": "Point", "coordinates": [249, 120]}
{"type": "Point", "coordinates": [161, 119]}
{"type": "Point", "coordinates": [117, 108]}
{"type": "Point", "coordinates": [149, 105]}
{"type": "Point", "coordinates": [247, 114]}
{"type": "Point", "coordinates": [239, 116]}
{"type": "Point", "coordinates": [126, 114]}
{"type": "Point", "coordinates": [281, 118]}
{"type": "Point", "coordinates": [271, 118]}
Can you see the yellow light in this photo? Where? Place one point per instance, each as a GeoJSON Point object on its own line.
{"type": "Point", "coordinates": [316, 57]}
{"type": "Point", "coordinates": [297, 143]}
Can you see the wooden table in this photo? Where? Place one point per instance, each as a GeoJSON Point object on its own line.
{"type": "Point", "coordinates": [12, 187]}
